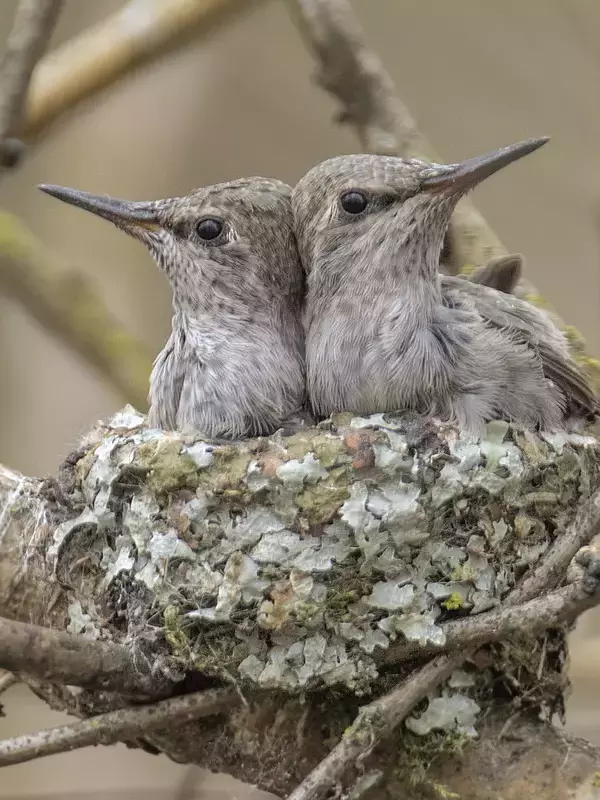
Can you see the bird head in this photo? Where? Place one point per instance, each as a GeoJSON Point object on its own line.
{"type": "Point", "coordinates": [232, 241]}
{"type": "Point", "coordinates": [352, 210]}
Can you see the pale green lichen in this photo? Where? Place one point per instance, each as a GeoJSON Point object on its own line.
{"type": "Point", "coordinates": [449, 712]}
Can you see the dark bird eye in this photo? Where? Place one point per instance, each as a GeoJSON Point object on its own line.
{"type": "Point", "coordinates": [353, 202]}
{"type": "Point", "coordinates": [209, 228]}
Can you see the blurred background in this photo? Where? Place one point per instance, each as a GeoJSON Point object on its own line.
{"type": "Point", "coordinates": [476, 74]}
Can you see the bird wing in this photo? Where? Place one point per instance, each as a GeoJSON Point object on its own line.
{"type": "Point", "coordinates": [528, 325]}
{"type": "Point", "coordinates": [166, 381]}
{"type": "Point", "coordinates": [502, 273]}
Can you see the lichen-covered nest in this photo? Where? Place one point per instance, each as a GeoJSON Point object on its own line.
{"type": "Point", "coordinates": [292, 566]}
{"type": "Point", "coordinates": [294, 563]}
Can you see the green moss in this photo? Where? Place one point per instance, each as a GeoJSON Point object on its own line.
{"type": "Point", "coordinates": [343, 419]}
{"type": "Point", "coordinates": [174, 633]}
{"type": "Point", "coordinates": [298, 445]}
{"type": "Point", "coordinates": [454, 602]}
{"type": "Point", "coordinates": [443, 791]}
{"type": "Point", "coordinates": [464, 572]}
{"type": "Point", "coordinates": [330, 451]}
{"type": "Point", "coordinates": [467, 270]}
{"type": "Point", "coordinates": [596, 780]}
{"type": "Point", "coordinates": [417, 754]}
{"type": "Point", "coordinates": [169, 468]}
{"type": "Point", "coordinates": [568, 466]}
{"type": "Point", "coordinates": [306, 612]}
{"type": "Point", "coordinates": [321, 502]}
{"type": "Point", "coordinates": [227, 473]}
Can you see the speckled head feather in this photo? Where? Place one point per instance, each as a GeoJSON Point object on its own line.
{"type": "Point", "coordinates": [386, 332]}
{"type": "Point", "coordinates": [233, 365]}
{"type": "Point", "coordinates": [416, 197]}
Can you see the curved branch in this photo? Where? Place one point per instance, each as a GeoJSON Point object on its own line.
{"type": "Point", "coordinates": [34, 22]}
{"type": "Point", "coordinates": [542, 613]}
{"type": "Point", "coordinates": [133, 37]}
{"type": "Point", "coordinates": [356, 77]}
{"type": "Point", "coordinates": [115, 726]}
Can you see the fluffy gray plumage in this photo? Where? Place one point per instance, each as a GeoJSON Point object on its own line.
{"type": "Point", "coordinates": [233, 365]}
{"type": "Point", "coordinates": [385, 331]}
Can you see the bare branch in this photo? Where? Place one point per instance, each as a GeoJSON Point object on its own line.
{"type": "Point", "coordinates": [60, 657]}
{"type": "Point", "coordinates": [34, 22]}
{"type": "Point", "coordinates": [67, 305]}
{"type": "Point", "coordinates": [133, 37]}
{"type": "Point", "coordinates": [379, 718]}
{"type": "Point", "coordinates": [115, 726]}
{"type": "Point", "coordinates": [356, 77]}
{"type": "Point", "coordinates": [542, 613]}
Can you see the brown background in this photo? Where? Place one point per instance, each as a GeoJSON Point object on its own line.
{"type": "Point", "coordinates": [476, 74]}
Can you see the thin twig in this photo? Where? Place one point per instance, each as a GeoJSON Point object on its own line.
{"type": "Point", "coordinates": [63, 658]}
{"type": "Point", "coordinates": [542, 613]}
{"type": "Point", "coordinates": [379, 718]}
{"type": "Point", "coordinates": [7, 679]}
{"type": "Point", "coordinates": [356, 77]}
{"type": "Point", "coordinates": [34, 22]}
{"type": "Point", "coordinates": [133, 37]}
{"type": "Point", "coordinates": [67, 305]}
{"type": "Point", "coordinates": [116, 726]}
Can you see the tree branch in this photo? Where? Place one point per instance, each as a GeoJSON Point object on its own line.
{"type": "Point", "coordinates": [34, 22]}
{"type": "Point", "coordinates": [67, 305]}
{"type": "Point", "coordinates": [374, 722]}
{"type": "Point", "coordinates": [115, 726]}
{"type": "Point", "coordinates": [542, 613]}
{"type": "Point", "coordinates": [133, 37]}
{"type": "Point", "coordinates": [60, 657]}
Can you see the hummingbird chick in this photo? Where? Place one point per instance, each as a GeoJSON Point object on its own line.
{"type": "Point", "coordinates": [233, 366]}
{"type": "Point", "coordinates": [385, 331]}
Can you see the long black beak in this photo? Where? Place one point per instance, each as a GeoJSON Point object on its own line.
{"type": "Point", "coordinates": [469, 173]}
{"type": "Point", "coordinates": [132, 217]}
